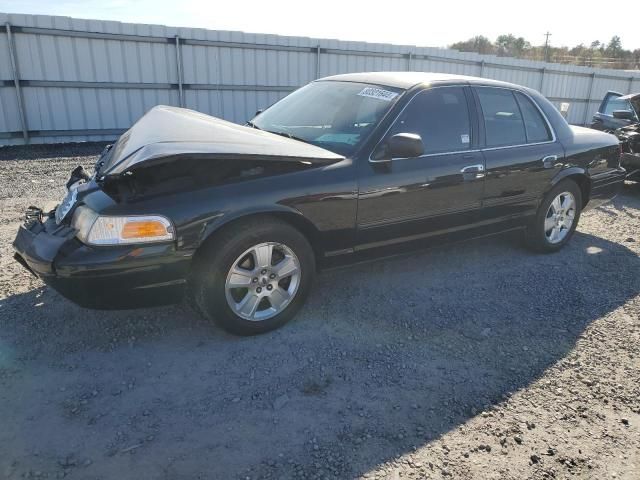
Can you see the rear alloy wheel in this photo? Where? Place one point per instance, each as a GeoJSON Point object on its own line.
{"type": "Point", "coordinates": [560, 216]}
{"type": "Point", "coordinates": [253, 277]}
{"type": "Point", "coordinates": [556, 219]}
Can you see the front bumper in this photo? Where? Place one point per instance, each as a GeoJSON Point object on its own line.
{"type": "Point", "coordinates": [124, 276]}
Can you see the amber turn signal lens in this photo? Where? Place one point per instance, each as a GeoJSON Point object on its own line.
{"type": "Point", "coordinates": [143, 229]}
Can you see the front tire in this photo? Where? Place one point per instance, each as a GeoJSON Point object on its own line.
{"type": "Point", "coordinates": [556, 219]}
{"type": "Point", "coordinates": [254, 277]}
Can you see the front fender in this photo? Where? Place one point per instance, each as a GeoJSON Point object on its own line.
{"type": "Point", "coordinates": [216, 223]}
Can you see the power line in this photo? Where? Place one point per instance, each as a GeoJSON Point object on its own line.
{"type": "Point", "coordinates": [546, 46]}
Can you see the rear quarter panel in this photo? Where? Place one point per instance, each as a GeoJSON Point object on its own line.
{"type": "Point", "coordinates": [597, 155]}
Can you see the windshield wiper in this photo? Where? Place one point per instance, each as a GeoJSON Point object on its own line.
{"type": "Point", "coordinates": [282, 134]}
{"type": "Point", "coordinates": [288, 135]}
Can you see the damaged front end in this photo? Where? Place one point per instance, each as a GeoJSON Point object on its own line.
{"type": "Point", "coordinates": [629, 137]}
{"type": "Point", "coordinates": [124, 236]}
{"type": "Point", "coordinates": [73, 249]}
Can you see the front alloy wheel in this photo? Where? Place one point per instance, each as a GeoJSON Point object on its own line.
{"type": "Point", "coordinates": [253, 276]}
{"type": "Point", "coordinates": [262, 281]}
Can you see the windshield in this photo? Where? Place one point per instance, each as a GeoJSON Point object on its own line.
{"type": "Point", "coordinates": [337, 116]}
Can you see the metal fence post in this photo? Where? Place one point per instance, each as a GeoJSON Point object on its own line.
{"type": "Point", "coordinates": [481, 68]}
{"type": "Point", "coordinates": [409, 62]}
{"type": "Point", "coordinates": [16, 82]}
{"type": "Point", "coordinates": [630, 84]}
{"type": "Point", "coordinates": [586, 108]}
{"type": "Point", "coordinates": [543, 71]}
{"type": "Point", "coordinates": [318, 61]}
{"type": "Point", "coordinates": [179, 67]}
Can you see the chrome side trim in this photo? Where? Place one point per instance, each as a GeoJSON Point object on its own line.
{"type": "Point", "coordinates": [422, 156]}
{"type": "Point", "coordinates": [515, 146]}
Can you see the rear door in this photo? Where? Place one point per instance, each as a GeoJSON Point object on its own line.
{"type": "Point", "coordinates": [604, 119]}
{"type": "Point", "coordinates": [520, 151]}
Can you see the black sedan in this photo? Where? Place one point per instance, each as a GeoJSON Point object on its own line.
{"type": "Point", "coordinates": [239, 218]}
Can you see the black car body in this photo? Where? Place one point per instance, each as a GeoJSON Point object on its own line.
{"type": "Point", "coordinates": [488, 158]}
{"type": "Point", "coordinates": [620, 115]}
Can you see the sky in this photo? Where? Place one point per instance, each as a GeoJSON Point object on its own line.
{"type": "Point", "coordinates": [421, 23]}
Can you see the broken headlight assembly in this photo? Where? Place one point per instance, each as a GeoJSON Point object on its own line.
{"type": "Point", "coordinates": [94, 229]}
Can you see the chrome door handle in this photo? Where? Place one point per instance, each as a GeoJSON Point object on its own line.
{"type": "Point", "coordinates": [473, 168]}
{"type": "Point", "coordinates": [549, 161]}
{"type": "Point", "coordinates": [471, 172]}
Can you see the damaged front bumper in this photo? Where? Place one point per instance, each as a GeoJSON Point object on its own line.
{"type": "Point", "coordinates": [114, 277]}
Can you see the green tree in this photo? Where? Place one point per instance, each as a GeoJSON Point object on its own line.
{"type": "Point", "coordinates": [614, 47]}
{"type": "Point", "coordinates": [511, 46]}
{"type": "Point", "coordinates": [596, 54]}
{"type": "Point", "coordinates": [477, 44]}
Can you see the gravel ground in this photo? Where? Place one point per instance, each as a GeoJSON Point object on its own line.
{"type": "Point", "coordinates": [486, 361]}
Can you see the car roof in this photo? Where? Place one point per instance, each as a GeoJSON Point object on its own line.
{"type": "Point", "coordinates": [406, 80]}
{"type": "Point", "coordinates": [629, 96]}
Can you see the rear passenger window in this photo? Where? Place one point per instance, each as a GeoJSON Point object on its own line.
{"type": "Point", "coordinates": [440, 116]}
{"type": "Point", "coordinates": [535, 125]}
{"type": "Point", "coordinates": [502, 119]}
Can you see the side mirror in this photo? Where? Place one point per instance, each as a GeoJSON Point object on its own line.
{"type": "Point", "coordinates": [405, 145]}
{"type": "Point", "coordinates": [623, 114]}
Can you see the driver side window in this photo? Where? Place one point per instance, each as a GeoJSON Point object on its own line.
{"type": "Point", "coordinates": [440, 116]}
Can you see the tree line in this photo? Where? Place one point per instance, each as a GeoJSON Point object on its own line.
{"type": "Point", "coordinates": [598, 54]}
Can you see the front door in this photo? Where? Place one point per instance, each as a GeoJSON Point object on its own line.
{"type": "Point", "coordinates": [408, 198]}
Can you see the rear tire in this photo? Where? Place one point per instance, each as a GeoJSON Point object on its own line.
{"type": "Point", "coordinates": [556, 219]}
{"type": "Point", "coordinates": [253, 276]}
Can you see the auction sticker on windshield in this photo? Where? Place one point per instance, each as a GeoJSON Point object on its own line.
{"type": "Point", "coordinates": [378, 93]}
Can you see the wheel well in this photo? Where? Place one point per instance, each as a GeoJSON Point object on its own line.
{"type": "Point", "coordinates": [585, 187]}
{"type": "Point", "coordinates": [297, 221]}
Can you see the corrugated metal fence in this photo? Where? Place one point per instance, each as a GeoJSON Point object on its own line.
{"type": "Point", "coordinates": [64, 79]}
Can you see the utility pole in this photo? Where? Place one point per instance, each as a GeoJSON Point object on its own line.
{"type": "Point", "coordinates": [546, 46]}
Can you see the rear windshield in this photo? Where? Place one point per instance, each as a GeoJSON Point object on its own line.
{"type": "Point", "coordinates": [338, 116]}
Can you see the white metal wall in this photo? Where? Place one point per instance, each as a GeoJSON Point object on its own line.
{"type": "Point", "coordinates": [90, 80]}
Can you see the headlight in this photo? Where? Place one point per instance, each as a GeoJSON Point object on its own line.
{"type": "Point", "coordinates": [94, 229]}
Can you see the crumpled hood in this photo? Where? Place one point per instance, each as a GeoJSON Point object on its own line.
{"type": "Point", "coordinates": [165, 131]}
